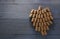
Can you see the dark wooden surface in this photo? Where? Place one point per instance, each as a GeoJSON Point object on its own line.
{"type": "Point", "coordinates": [14, 19]}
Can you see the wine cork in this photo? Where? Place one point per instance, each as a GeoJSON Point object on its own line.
{"type": "Point", "coordinates": [42, 33]}
{"type": "Point", "coordinates": [45, 33]}
{"type": "Point", "coordinates": [35, 20]}
{"type": "Point", "coordinates": [40, 12]}
{"type": "Point", "coordinates": [39, 28]}
{"type": "Point", "coordinates": [51, 17]}
{"type": "Point", "coordinates": [35, 11]}
{"type": "Point", "coordinates": [41, 20]}
{"type": "Point", "coordinates": [36, 16]}
{"type": "Point", "coordinates": [47, 27]}
{"type": "Point", "coordinates": [47, 13]}
{"type": "Point", "coordinates": [48, 18]}
{"type": "Point", "coordinates": [45, 23]}
{"type": "Point", "coordinates": [39, 24]}
{"type": "Point", "coordinates": [36, 27]}
{"type": "Point", "coordinates": [33, 15]}
{"type": "Point", "coordinates": [32, 20]}
{"type": "Point", "coordinates": [50, 22]}
{"type": "Point", "coordinates": [30, 15]}
{"type": "Point", "coordinates": [44, 10]}
{"type": "Point", "coordinates": [34, 23]}
{"type": "Point", "coordinates": [44, 15]}
{"type": "Point", "coordinates": [42, 24]}
{"type": "Point", "coordinates": [50, 13]}
{"type": "Point", "coordinates": [32, 12]}
{"type": "Point", "coordinates": [38, 20]}
{"type": "Point", "coordinates": [40, 8]}
{"type": "Point", "coordinates": [44, 28]}
{"type": "Point", "coordinates": [41, 15]}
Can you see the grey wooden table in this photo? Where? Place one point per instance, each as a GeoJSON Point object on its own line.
{"type": "Point", "coordinates": [14, 19]}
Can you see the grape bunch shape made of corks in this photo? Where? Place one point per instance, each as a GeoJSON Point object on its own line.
{"type": "Point", "coordinates": [41, 19]}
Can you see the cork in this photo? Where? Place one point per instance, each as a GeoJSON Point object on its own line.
{"type": "Point", "coordinates": [32, 12]}
{"type": "Point", "coordinates": [40, 8]}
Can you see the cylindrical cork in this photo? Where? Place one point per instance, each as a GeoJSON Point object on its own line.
{"type": "Point", "coordinates": [44, 15]}
{"type": "Point", "coordinates": [43, 20]}
{"type": "Point", "coordinates": [45, 33]}
{"type": "Point", "coordinates": [34, 23]}
{"type": "Point", "coordinates": [35, 20]}
{"type": "Point", "coordinates": [45, 23]}
{"type": "Point", "coordinates": [36, 16]}
{"type": "Point", "coordinates": [32, 12]}
{"type": "Point", "coordinates": [42, 33]}
{"type": "Point", "coordinates": [39, 26]}
{"type": "Point", "coordinates": [42, 23]}
{"type": "Point", "coordinates": [38, 12]}
{"type": "Point", "coordinates": [47, 14]}
{"type": "Point", "coordinates": [50, 13]}
{"type": "Point", "coordinates": [33, 15]}
{"type": "Point", "coordinates": [44, 28]}
{"type": "Point", "coordinates": [32, 20]}
{"type": "Point", "coordinates": [36, 27]}
{"type": "Point", "coordinates": [50, 22]}
{"type": "Point", "coordinates": [39, 29]}
{"type": "Point", "coordinates": [40, 20]}
{"type": "Point", "coordinates": [47, 27]}
{"type": "Point", "coordinates": [41, 15]}
{"type": "Point", "coordinates": [35, 11]}
{"type": "Point", "coordinates": [48, 18]}
{"type": "Point", "coordinates": [51, 17]}
{"type": "Point", "coordinates": [30, 15]}
{"type": "Point", "coordinates": [44, 10]}
{"type": "Point", "coordinates": [40, 8]}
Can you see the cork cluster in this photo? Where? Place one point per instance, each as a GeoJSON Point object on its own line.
{"type": "Point", "coordinates": [41, 19]}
